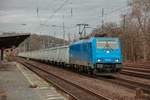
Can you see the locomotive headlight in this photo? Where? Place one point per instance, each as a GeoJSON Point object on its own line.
{"type": "Point", "coordinates": [99, 60]}
{"type": "Point", "coordinates": [117, 60]}
{"type": "Point", "coordinates": [107, 51]}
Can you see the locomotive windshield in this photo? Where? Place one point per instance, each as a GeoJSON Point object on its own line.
{"type": "Point", "coordinates": [107, 44]}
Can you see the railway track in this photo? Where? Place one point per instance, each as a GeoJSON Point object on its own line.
{"type": "Point", "coordinates": [141, 66]}
{"type": "Point", "coordinates": [123, 80]}
{"type": "Point", "coordinates": [128, 81]}
{"type": "Point", "coordinates": [137, 69]}
{"type": "Point", "coordinates": [75, 91]}
{"type": "Point", "coordinates": [136, 73]}
{"type": "Point", "coordinates": [135, 76]}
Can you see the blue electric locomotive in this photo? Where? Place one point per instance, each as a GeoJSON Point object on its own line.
{"type": "Point", "coordinates": [97, 54]}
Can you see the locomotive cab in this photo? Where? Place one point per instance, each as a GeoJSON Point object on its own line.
{"type": "Point", "coordinates": [107, 55]}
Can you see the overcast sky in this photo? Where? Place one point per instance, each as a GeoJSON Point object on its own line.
{"type": "Point", "coordinates": [21, 15]}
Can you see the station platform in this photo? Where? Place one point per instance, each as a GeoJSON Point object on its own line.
{"type": "Point", "coordinates": [19, 83]}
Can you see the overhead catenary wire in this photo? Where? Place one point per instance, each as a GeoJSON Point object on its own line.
{"type": "Point", "coordinates": [116, 10]}
{"type": "Point", "coordinates": [51, 16]}
{"type": "Point", "coordinates": [109, 13]}
{"type": "Point", "coordinates": [55, 11]}
{"type": "Point", "coordinates": [59, 8]}
{"type": "Point", "coordinates": [66, 1]}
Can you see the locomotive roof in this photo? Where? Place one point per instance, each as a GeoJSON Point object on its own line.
{"type": "Point", "coordinates": [91, 39]}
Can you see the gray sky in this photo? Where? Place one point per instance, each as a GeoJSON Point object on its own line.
{"type": "Point", "coordinates": [21, 16]}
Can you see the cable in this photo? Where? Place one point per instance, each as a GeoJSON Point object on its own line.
{"type": "Point", "coordinates": [109, 13]}
{"type": "Point", "coordinates": [66, 1]}
{"type": "Point", "coordinates": [116, 10]}
{"type": "Point", "coordinates": [59, 8]}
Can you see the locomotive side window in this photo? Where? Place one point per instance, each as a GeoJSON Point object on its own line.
{"type": "Point", "coordinates": [110, 44]}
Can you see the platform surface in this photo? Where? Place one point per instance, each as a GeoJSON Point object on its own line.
{"type": "Point", "coordinates": [16, 80]}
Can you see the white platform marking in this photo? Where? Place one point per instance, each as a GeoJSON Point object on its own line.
{"type": "Point", "coordinates": [45, 90]}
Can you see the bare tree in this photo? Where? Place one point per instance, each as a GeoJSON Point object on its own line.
{"type": "Point", "coordinates": [140, 17]}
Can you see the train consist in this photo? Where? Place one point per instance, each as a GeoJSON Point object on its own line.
{"type": "Point", "coordinates": [95, 55]}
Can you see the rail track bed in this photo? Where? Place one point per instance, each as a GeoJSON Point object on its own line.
{"type": "Point", "coordinates": [78, 86]}
{"type": "Point", "coordinates": [138, 69]}
{"type": "Point", "coordinates": [136, 73]}
{"type": "Point", "coordinates": [73, 90]}
{"type": "Point", "coordinates": [131, 82]}
{"type": "Point", "coordinates": [138, 65]}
